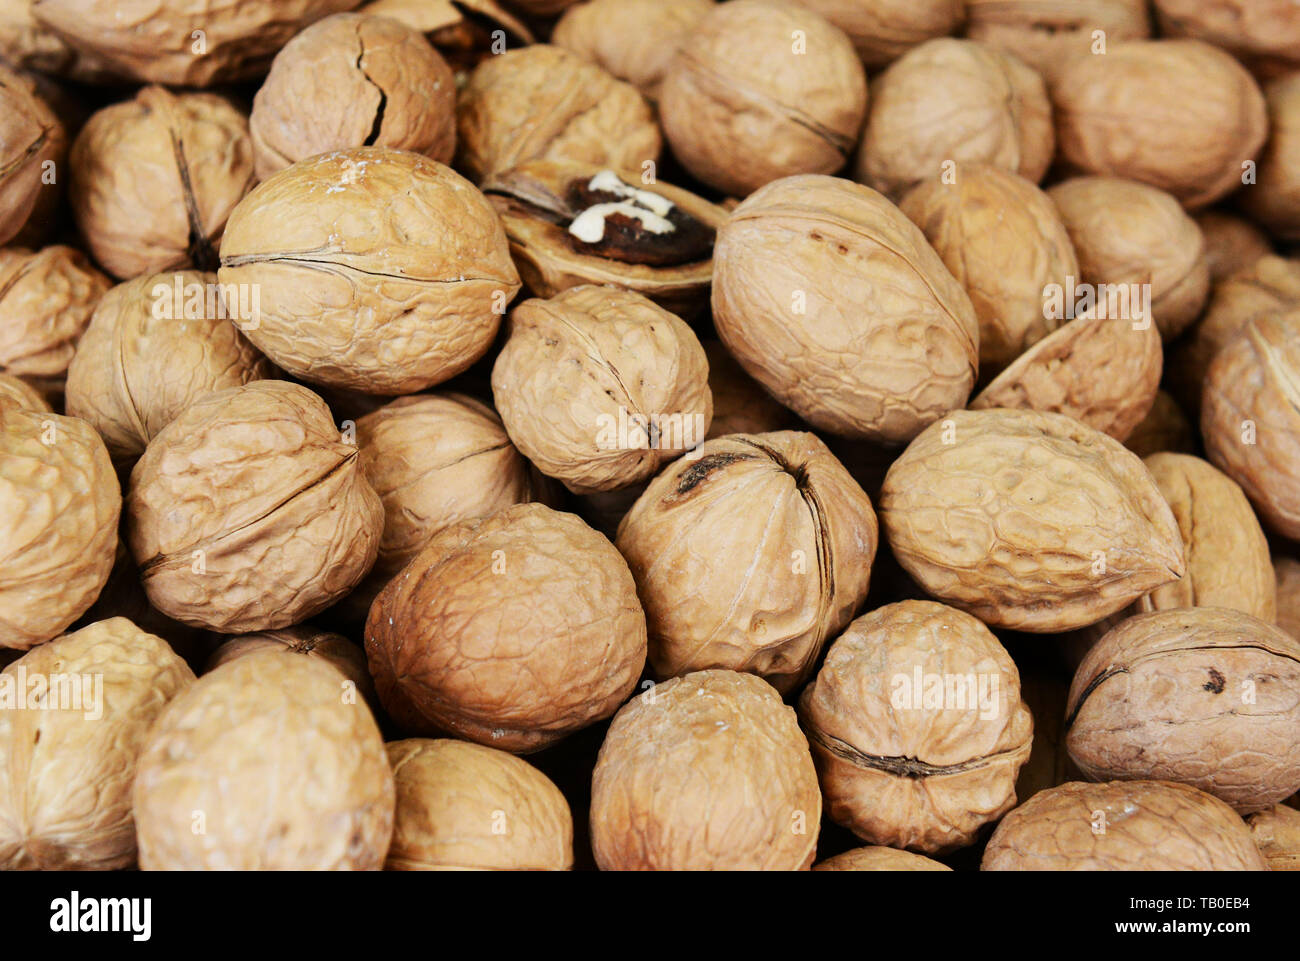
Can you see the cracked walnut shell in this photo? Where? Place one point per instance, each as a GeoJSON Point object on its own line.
{"type": "Point", "coordinates": [47, 298]}
{"type": "Point", "coordinates": [32, 145]}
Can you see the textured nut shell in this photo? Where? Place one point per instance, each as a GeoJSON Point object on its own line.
{"type": "Point", "coordinates": [1274, 199]}
{"type": "Point", "coordinates": [910, 776]}
{"type": "Point", "coordinates": [1231, 243]}
{"type": "Point", "coordinates": [545, 103]}
{"type": "Point", "coordinates": [873, 858]}
{"type": "Point", "coordinates": [46, 298]}
{"type": "Point", "coordinates": [1262, 33]}
{"type": "Point", "coordinates": [954, 100]}
{"type": "Point", "coordinates": [1162, 697]}
{"type": "Point", "coordinates": [1164, 428]}
{"type": "Point", "coordinates": [882, 30]}
{"type": "Point", "coordinates": [18, 394]}
{"type": "Point", "coordinates": [750, 555]}
{"type": "Point", "coordinates": [334, 649]}
{"type": "Point", "coordinates": [1288, 594]}
{"type": "Point", "coordinates": [256, 481]}
{"type": "Point", "coordinates": [1101, 372]}
{"type": "Point", "coordinates": [584, 368]}
{"type": "Point", "coordinates": [512, 630]}
{"type": "Point", "coordinates": [1008, 521]}
{"type": "Point", "coordinates": [445, 22]}
{"type": "Point", "coordinates": [1277, 835]}
{"type": "Point", "coordinates": [740, 405]}
{"type": "Point", "coordinates": [32, 140]}
{"type": "Point", "coordinates": [888, 340]}
{"type": "Point", "coordinates": [1148, 826]}
{"type": "Point", "coordinates": [1180, 115]}
{"type": "Point", "coordinates": [287, 773]}
{"type": "Point", "coordinates": [397, 89]}
{"type": "Point", "coordinates": [378, 270]}
{"type": "Point", "coordinates": [1004, 242]}
{"type": "Point", "coordinates": [705, 772]}
{"type": "Point", "coordinates": [27, 45]}
{"type": "Point", "coordinates": [463, 806]}
{"type": "Point", "coordinates": [1227, 554]}
{"type": "Point", "coordinates": [61, 502]}
{"type": "Point", "coordinates": [134, 372]}
{"type": "Point", "coordinates": [742, 105]}
{"type": "Point", "coordinates": [1048, 33]}
{"type": "Point", "coordinates": [65, 786]}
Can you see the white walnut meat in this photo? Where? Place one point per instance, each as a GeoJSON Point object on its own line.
{"type": "Point", "coordinates": [1128, 233]}
{"type": "Point", "coordinates": [153, 346]}
{"type": "Point", "coordinates": [1122, 826]}
{"type": "Point", "coordinates": [705, 772]}
{"type": "Point", "coordinates": [883, 30]}
{"type": "Point", "coordinates": [156, 42]}
{"type": "Point", "coordinates": [1028, 520]}
{"type": "Point", "coordinates": [397, 90]}
{"type": "Point", "coordinates": [542, 102]}
{"type": "Point", "coordinates": [1164, 428]}
{"type": "Point", "coordinates": [1232, 243]}
{"type": "Point", "coordinates": [378, 270]}
{"type": "Point", "coordinates": [334, 649]}
{"type": "Point", "coordinates": [761, 91]}
{"type": "Point", "coordinates": [1204, 696]}
{"type": "Point", "coordinates": [1273, 200]}
{"type": "Point", "coordinates": [512, 630]}
{"type": "Point", "coordinates": [1047, 34]}
{"type": "Point", "coordinates": [834, 301]}
{"type": "Point", "coordinates": [155, 178]}
{"type": "Point", "coordinates": [877, 858]}
{"type": "Point", "coordinates": [1180, 115]}
{"type": "Point", "coordinates": [1263, 34]}
{"type": "Point", "coordinates": [61, 502]}
{"type": "Point", "coordinates": [749, 555]}
{"type": "Point", "coordinates": [32, 146]}
{"type": "Point", "coordinates": [1277, 835]}
{"type": "Point", "coordinates": [285, 771]}
{"type": "Point", "coordinates": [951, 100]}
{"type": "Point", "coordinates": [466, 807]}
{"type": "Point", "coordinates": [47, 297]}
{"type": "Point", "coordinates": [249, 512]}
{"type": "Point", "coordinates": [1004, 241]}
{"type": "Point", "coordinates": [917, 727]}
{"type": "Point", "coordinates": [66, 766]}
{"type": "Point", "coordinates": [16, 393]}
{"type": "Point", "coordinates": [600, 387]}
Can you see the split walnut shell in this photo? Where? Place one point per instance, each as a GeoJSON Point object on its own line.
{"type": "Point", "coordinates": [248, 512]}
{"type": "Point", "coordinates": [65, 786]}
{"type": "Point", "coordinates": [32, 145]}
{"type": "Point", "coordinates": [264, 764]}
{"type": "Point", "coordinates": [333, 649]}
{"type": "Point", "coordinates": [16, 393]}
{"type": "Point", "coordinates": [705, 772]}
{"type": "Point", "coordinates": [875, 858]}
{"type": "Point", "coordinates": [513, 630]}
{"type": "Point", "coordinates": [62, 501]}
{"type": "Point", "coordinates": [465, 807]}
{"type": "Point", "coordinates": [1046, 34]}
{"type": "Point", "coordinates": [378, 270]}
{"type": "Point", "coordinates": [1273, 200]}
{"type": "Point", "coordinates": [917, 727]}
{"type": "Point", "coordinates": [1164, 428]}
{"type": "Point", "coordinates": [1204, 696]}
{"type": "Point", "coordinates": [1028, 520]}
{"type": "Point", "coordinates": [1122, 826]}
{"type": "Point", "coordinates": [956, 101]}
{"type": "Point", "coordinates": [154, 346]}
{"type": "Point", "coordinates": [761, 91]}
{"type": "Point", "coordinates": [599, 387]}
{"type": "Point", "coordinates": [748, 555]}
{"type": "Point", "coordinates": [155, 178]}
{"type": "Point", "coordinates": [1231, 243]}
{"type": "Point", "coordinates": [833, 300]}
{"type": "Point", "coordinates": [1263, 34]}
{"type": "Point", "coordinates": [883, 30]}
{"type": "Point", "coordinates": [47, 298]}
{"type": "Point", "coordinates": [397, 89]}
{"type": "Point", "coordinates": [653, 239]}
{"type": "Point", "coordinates": [1277, 835]}
{"type": "Point", "coordinates": [1180, 115]}
{"type": "Point", "coordinates": [545, 103]}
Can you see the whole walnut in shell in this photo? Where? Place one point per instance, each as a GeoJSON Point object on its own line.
{"type": "Point", "coordinates": [882, 30]}
{"type": "Point", "coordinates": [249, 512]}
{"type": "Point", "coordinates": [1164, 428]}
{"type": "Point", "coordinates": [32, 146]}
{"type": "Point", "coordinates": [155, 178]}
{"type": "Point", "coordinates": [876, 858]}
{"type": "Point", "coordinates": [740, 405]}
{"type": "Point", "coordinates": [1180, 115]}
{"type": "Point", "coordinates": [544, 103]}
{"type": "Point", "coordinates": [397, 89]}
{"type": "Point", "coordinates": [155, 345]}
{"type": "Point", "coordinates": [264, 764]}
{"type": "Point", "coordinates": [512, 630]}
{"type": "Point", "coordinates": [463, 806]}
{"type": "Point", "coordinates": [378, 270]}
{"type": "Point", "coordinates": [1048, 33]}
{"type": "Point", "coordinates": [47, 297]}
{"type": "Point", "coordinates": [334, 649]}
{"type": "Point", "coordinates": [599, 387]}
{"type": "Point", "coordinates": [27, 45]}
{"type": "Point", "coordinates": [65, 786]}
{"type": "Point", "coordinates": [1231, 243]}
{"type": "Point", "coordinates": [761, 91]}
{"type": "Point", "coordinates": [959, 101]}
{"type": "Point", "coordinates": [1122, 826]}
{"type": "Point", "coordinates": [748, 555]}
{"type": "Point", "coordinates": [1273, 200]}
{"type": "Point", "coordinates": [1277, 835]}
{"type": "Point", "coordinates": [833, 300]}
{"type": "Point", "coordinates": [17, 393]}
{"type": "Point", "coordinates": [1264, 34]}
{"type": "Point", "coordinates": [917, 727]}
{"type": "Point", "coordinates": [1028, 520]}
{"type": "Point", "coordinates": [1288, 594]}
{"type": "Point", "coordinates": [705, 772]}
{"type": "Point", "coordinates": [1205, 696]}
{"type": "Point", "coordinates": [61, 500]}
{"type": "Point", "coordinates": [1004, 242]}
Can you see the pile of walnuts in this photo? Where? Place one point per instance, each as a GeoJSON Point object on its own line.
{"type": "Point", "coordinates": [650, 434]}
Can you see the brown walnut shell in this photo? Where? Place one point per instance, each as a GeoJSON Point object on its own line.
{"type": "Point", "coordinates": [1277, 835]}
{"type": "Point", "coordinates": [740, 405]}
{"type": "Point", "coordinates": [1046, 34]}
{"type": "Point", "coordinates": [47, 298]}
{"type": "Point", "coordinates": [347, 658]}
{"type": "Point", "coordinates": [1273, 200]}
{"type": "Point", "coordinates": [1164, 428]}
{"type": "Point", "coordinates": [16, 393]}
{"type": "Point", "coordinates": [1264, 34]}
{"type": "Point", "coordinates": [875, 858]}
{"type": "Point", "coordinates": [883, 30]}
{"type": "Point", "coordinates": [1232, 243]}
{"type": "Point", "coordinates": [1288, 594]}
{"type": "Point", "coordinates": [461, 29]}
{"type": "Point", "coordinates": [32, 147]}
{"type": "Point", "coordinates": [27, 45]}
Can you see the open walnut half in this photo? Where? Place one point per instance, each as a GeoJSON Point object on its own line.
{"type": "Point", "coordinates": [573, 223]}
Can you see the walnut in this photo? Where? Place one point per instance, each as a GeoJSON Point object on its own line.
{"type": "Point", "coordinates": [874, 858]}
{"type": "Point", "coordinates": [1264, 34]}
{"type": "Point", "coordinates": [47, 298]}
{"type": "Point", "coordinates": [883, 30]}
{"type": "Point", "coordinates": [17, 393]}
{"type": "Point", "coordinates": [1288, 594]}
{"type": "Point", "coordinates": [1231, 243]}
{"type": "Point", "coordinates": [1165, 427]}
{"type": "Point", "coordinates": [334, 649]}
{"type": "Point", "coordinates": [32, 147]}
{"type": "Point", "coordinates": [1273, 200]}
{"type": "Point", "coordinates": [740, 405]}
{"type": "Point", "coordinates": [1277, 835]}
{"type": "Point", "coordinates": [1046, 34]}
